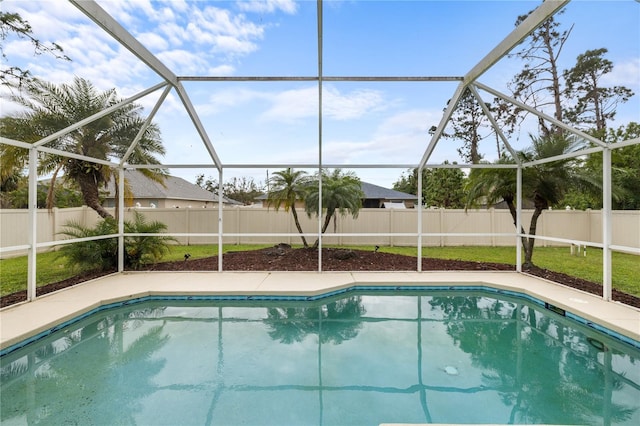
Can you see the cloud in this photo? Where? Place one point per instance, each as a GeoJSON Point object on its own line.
{"type": "Point", "coordinates": [221, 70]}
{"type": "Point", "coordinates": [291, 105]}
{"type": "Point", "coordinates": [624, 73]}
{"type": "Point", "coordinates": [351, 105]}
{"type": "Point", "coordinates": [153, 41]}
{"type": "Point", "coordinates": [173, 33]}
{"type": "Point", "coordinates": [219, 35]}
{"type": "Point", "coordinates": [268, 6]}
{"type": "Point", "coordinates": [399, 139]}
{"type": "Point", "coordinates": [183, 62]}
{"type": "Point", "coordinates": [225, 99]}
{"type": "Point", "coordinates": [303, 103]}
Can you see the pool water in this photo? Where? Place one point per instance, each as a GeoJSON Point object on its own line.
{"type": "Point", "coordinates": [355, 359]}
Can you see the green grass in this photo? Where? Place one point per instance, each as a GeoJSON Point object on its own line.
{"type": "Point", "coordinates": [626, 267]}
{"type": "Point", "coordinates": [51, 268]}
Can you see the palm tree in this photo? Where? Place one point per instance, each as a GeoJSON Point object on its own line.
{"type": "Point", "coordinates": [341, 192]}
{"type": "Point", "coordinates": [543, 184]}
{"type": "Point", "coordinates": [102, 255]}
{"type": "Point", "coordinates": [288, 186]}
{"type": "Point", "coordinates": [50, 108]}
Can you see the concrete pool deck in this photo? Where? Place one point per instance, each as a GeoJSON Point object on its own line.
{"type": "Point", "coordinates": [22, 321]}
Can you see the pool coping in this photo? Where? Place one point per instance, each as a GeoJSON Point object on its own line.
{"type": "Point", "coordinates": [26, 320]}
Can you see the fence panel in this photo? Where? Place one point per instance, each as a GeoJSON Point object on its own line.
{"type": "Point", "coordinates": [574, 225]}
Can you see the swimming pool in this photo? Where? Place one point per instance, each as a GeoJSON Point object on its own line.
{"type": "Point", "coordinates": [354, 358]}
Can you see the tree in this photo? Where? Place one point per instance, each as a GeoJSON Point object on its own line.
{"type": "Point", "coordinates": [594, 104]}
{"type": "Point", "coordinates": [13, 24]}
{"type": "Point", "coordinates": [543, 184]}
{"type": "Point", "coordinates": [538, 84]}
{"type": "Point", "coordinates": [287, 187]}
{"type": "Point", "coordinates": [467, 120]}
{"type": "Point", "coordinates": [242, 189]}
{"type": "Point", "coordinates": [209, 184]}
{"type": "Point", "coordinates": [341, 193]}
{"type": "Point", "coordinates": [625, 174]}
{"type": "Point", "coordinates": [625, 167]}
{"type": "Point", "coordinates": [441, 187]}
{"type": "Point", "coordinates": [66, 195]}
{"type": "Point", "coordinates": [50, 108]}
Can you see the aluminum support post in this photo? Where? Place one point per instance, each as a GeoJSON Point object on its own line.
{"type": "Point", "coordinates": [320, 166]}
{"type": "Point", "coordinates": [220, 216]}
{"type": "Point", "coordinates": [606, 224]}
{"type": "Point", "coordinates": [419, 207]}
{"type": "Point", "coordinates": [120, 214]}
{"type": "Point", "coordinates": [33, 220]}
{"type": "Point", "coordinates": [518, 219]}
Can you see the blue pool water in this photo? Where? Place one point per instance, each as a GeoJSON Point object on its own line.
{"type": "Point", "coordinates": [355, 359]}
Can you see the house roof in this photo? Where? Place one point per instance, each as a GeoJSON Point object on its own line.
{"type": "Point", "coordinates": [374, 192]}
{"type": "Point", "coordinates": [174, 188]}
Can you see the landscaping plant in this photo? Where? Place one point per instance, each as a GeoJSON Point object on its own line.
{"type": "Point", "coordinates": [102, 254]}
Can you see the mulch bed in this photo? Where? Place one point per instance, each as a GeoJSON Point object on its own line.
{"type": "Point", "coordinates": [283, 258]}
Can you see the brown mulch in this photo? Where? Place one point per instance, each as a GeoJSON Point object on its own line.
{"type": "Point", "coordinates": [283, 258]}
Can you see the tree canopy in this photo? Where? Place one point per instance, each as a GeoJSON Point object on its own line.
{"type": "Point", "coordinates": [49, 108]}
{"type": "Point", "coordinates": [544, 184]}
{"type": "Point", "coordinates": [341, 194]}
{"type": "Point", "coordinates": [287, 187]}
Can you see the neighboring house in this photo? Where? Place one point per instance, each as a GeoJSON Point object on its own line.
{"type": "Point", "coordinates": [379, 197]}
{"type": "Point", "coordinates": [374, 197]}
{"type": "Point", "coordinates": [175, 192]}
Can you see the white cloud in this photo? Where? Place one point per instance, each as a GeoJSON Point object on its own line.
{"type": "Point", "coordinates": [625, 73]}
{"type": "Point", "coordinates": [268, 6]}
{"type": "Point", "coordinates": [173, 33]}
{"type": "Point", "coordinates": [351, 105]}
{"type": "Point", "coordinates": [126, 11]}
{"type": "Point", "coordinates": [401, 139]}
{"type": "Point", "coordinates": [224, 99]}
{"type": "Point", "coordinates": [164, 26]}
{"type": "Point", "coordinates": [303, 103]}
{"type": "Point", "coordinates": [234, 45]}
{"type": "Point", "coordinates": [183, 62]}
{"type": "Point", "coordinates": [291, 105]}
{"type": "Point", "coordinates": [221, 70]}
{"type": "Point", "coordinates": [153, 41]}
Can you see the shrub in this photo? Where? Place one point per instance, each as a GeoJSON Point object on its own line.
{"type": "Point", "coordinates": [102, 254]}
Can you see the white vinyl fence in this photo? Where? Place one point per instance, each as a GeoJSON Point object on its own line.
{"type": "Point", "coordinates": [583, 226]}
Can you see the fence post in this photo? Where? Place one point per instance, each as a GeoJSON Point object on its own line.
{"type": "Point", "coordinates": [492, 221]}
{"type": "Point", "coordinates": [441, 215]}
{"type": "Point", "coordinates": [188, 224]}
{"type": "Point", "coordinates": [237, 225]}
{"type": "Point", "coordinates": [589, 224]}
{"type": "Point", "coordinates": [391, 219]}
{"type": "Point", "coordinates": [54, 224]}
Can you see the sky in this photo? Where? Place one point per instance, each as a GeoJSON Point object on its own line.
{"type": "Point", "coordinates": [276, 122]}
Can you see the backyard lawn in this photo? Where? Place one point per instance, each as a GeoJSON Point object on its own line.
{"type": "Point", "coordinates": [626, 267]}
